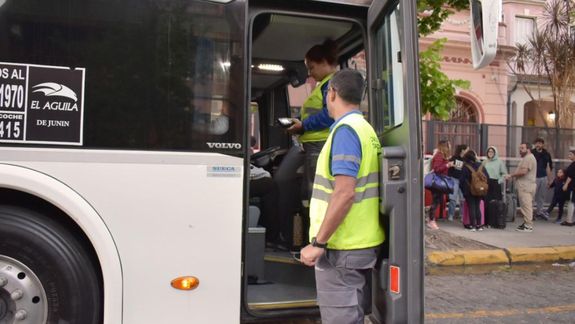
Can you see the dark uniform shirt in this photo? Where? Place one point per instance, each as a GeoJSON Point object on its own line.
{"type": "Point", "coordinates": [543, 159]}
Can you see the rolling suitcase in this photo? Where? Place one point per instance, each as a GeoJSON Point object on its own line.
{"type": "Point", "coordinates": [495, 213]}
{"type": "Point", "coordinates": [510, 199]}
{"type": "Point", "coordinates": [496, 210]}
{"type": "Point", "coordinates": [465, 216]}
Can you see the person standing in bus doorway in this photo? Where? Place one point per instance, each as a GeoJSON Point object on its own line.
{"type": "Point", "coordinates": [525, 176]}
{"type": "Point", "coordinates": [321, 61]}
{"type": "Point", "coordinates": [344, 212]}
{"type": "Point", "coordinates": [544, 176]}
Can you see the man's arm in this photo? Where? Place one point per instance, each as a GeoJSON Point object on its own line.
{"type": "Point", "coordinates": [521, 171]}
{"type": "Point", "coordinates": [339, 205]}
{"type": "Point", "coordinates": [549, 168]}
{"type": "Point", "coordinates": [566, 185]}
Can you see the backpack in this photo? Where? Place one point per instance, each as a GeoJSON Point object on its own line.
{"type": "Point", "coordinates": [478, 185]}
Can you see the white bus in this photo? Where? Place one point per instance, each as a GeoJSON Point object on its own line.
{"type": "Point", "coordinates": [125, 134]}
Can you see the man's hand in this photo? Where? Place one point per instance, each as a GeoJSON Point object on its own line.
{"type": "Point", "coordinates": [508, 176]}
{"type": "Point", "coordinates": [296, 128]}
{"type": "Point", "coordinates": [310, 254]}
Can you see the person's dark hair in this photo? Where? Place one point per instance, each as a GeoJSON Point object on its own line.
{"type": "Point", "coordinates": [539, 140]}
{"type": "Point", "coordinates": [349, 85]}
{"type": "Point", "coordinates": [470, 156]}
{"type": "Point", "coordinates": [326, 51]}
{"type": "Point", "coordinates": [526, 144]}
{"type": "Point", "coordinates": [458, 149]}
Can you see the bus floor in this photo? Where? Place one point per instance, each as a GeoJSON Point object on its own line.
{"type": "Point", "coordinates": [286, 283]}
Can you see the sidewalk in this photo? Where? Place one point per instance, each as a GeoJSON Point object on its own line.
{"type": "Point", "coordinates": [549, 242]}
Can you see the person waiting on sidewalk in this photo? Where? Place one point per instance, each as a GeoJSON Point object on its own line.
{"type": "Point", "coordinates": [525, 184]}
{"type": "Point", "coordinates": [559, 195]}
{"type": "Point", "coordinates": [439, 164]}
{"type": "Point", "coordinates": [544, 175]}
{"type": "Point", "coordinates": [568, 187]}
{"type": "Point", "coordinates": [497, 171]}
{"type": "Point", "coordinates": [473, 201]}
{"type": "Point", "coordinates": [456, 198]}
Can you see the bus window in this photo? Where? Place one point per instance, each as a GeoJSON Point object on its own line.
{"type": "Point", "coordinates": [389, 69]}
{"type": "Point", "coordinates": [357, 62]}
{"type": "Point", "coordinates": [157, 73]}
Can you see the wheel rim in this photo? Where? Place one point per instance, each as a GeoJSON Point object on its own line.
{"type": "Point", "coordinates": [22, 296]}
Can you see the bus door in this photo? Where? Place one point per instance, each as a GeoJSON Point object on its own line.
{"type": "Point", "coordinates": [394, 104]}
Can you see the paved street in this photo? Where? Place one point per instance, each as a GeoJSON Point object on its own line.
{"type": "Point", "coordinates": [529, 294]}
{"type": "Point", "coordinates": [497, 294]}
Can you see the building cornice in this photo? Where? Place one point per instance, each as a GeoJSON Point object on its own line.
{"type": "Point", "coordinates": [526, 2]}
{"type": "Point", "coordinates": [505, 50]}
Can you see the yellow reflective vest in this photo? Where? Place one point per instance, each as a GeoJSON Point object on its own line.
{"type": "Point", "coordinates": [311, 106]}
{"type": "Point", "coordinates": [361, 227]}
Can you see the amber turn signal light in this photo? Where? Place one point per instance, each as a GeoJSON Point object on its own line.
{"type": "Point", "coordinates": [186, 283]}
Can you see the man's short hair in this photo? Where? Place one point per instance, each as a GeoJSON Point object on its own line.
{"type": "Point", "coordinates": [526, 144]}
{"type": "Point", "coordinates": [539, 140]}
{"type": "Point", "coordinates": [349, 85]}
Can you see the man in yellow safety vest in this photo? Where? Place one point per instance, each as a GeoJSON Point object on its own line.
{"type": "Point", "coordinates": [344, 212]}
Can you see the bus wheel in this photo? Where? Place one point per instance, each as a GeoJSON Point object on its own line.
{"type": "Point", "coordinates": [46, 273]}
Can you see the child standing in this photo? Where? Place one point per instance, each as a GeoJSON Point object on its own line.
{"type": "Point", "coordinates": [559, 196]}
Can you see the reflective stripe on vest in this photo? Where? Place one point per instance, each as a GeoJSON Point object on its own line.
{"type": "Point", "coordinates": [360, 228]}
{"type": "Point", "coordinates": [311, 106]}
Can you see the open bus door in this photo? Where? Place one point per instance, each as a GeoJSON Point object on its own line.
{"type": "Point", "coordinates": [394, 101]}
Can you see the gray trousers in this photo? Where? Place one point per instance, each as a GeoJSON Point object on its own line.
{"type": "Point", "coordinates": [343, 282]}
{"type": "Point", "coordinates": [540, 194]}
{"type": "Point", "coordinates": [312, 150]}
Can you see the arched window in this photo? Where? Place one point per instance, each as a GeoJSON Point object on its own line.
{"type": "Point", "coordinates": [464, 112]}
{"type": "Point", "coordinates": [462, 127]}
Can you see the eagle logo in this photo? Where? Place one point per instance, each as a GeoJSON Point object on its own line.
{"type": "Point", "coordinates": [50, 89]}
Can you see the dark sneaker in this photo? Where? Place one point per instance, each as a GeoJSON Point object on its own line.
{"type": "Point", "coordinates": [520, 227]}
{"type": "Point", "coordinates": [525, 228]}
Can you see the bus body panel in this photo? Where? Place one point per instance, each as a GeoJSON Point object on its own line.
{"type": "Point", "coordinates": [58, 194]}
{"type": "Point", "coordinates": [186, 204]}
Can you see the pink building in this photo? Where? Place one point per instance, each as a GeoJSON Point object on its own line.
{"type": "Point", "coordinates": [494, 96]}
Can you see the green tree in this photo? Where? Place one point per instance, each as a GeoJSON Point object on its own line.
{"type": "Point", "coordinates": [548, 58]}
{"type": "Point", "coordinates": [437, 90]}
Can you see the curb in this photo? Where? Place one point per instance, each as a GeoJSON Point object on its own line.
{"type": "Point", "coordinates": [501, 256]}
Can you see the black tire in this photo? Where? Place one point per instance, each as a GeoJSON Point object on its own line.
{"type": "Point", "coordinates": [60, 261]}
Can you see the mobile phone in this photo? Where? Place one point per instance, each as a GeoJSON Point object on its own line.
{"type": "Point", "coordinates": [285, 122]}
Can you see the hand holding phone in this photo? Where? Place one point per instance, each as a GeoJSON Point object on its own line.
{"type": "Point", "coordinates": [285, 122]}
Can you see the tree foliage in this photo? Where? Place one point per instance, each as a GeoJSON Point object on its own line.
{"type": "Point", "coordinates": [433, 12]}
{"type": "Point", "coordinates": [437, 90]}
{"type": "Point", "coordinates": [549, 55]}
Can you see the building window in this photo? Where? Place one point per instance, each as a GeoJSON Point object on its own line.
{"type": "Point", "coordinates": [524, 29]}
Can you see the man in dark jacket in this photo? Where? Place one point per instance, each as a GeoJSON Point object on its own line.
{"type": "Point", "coordinates": [544, 176]}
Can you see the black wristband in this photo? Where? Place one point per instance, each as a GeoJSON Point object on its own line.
{"type": "Point", "coordinates": [315, 243]}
